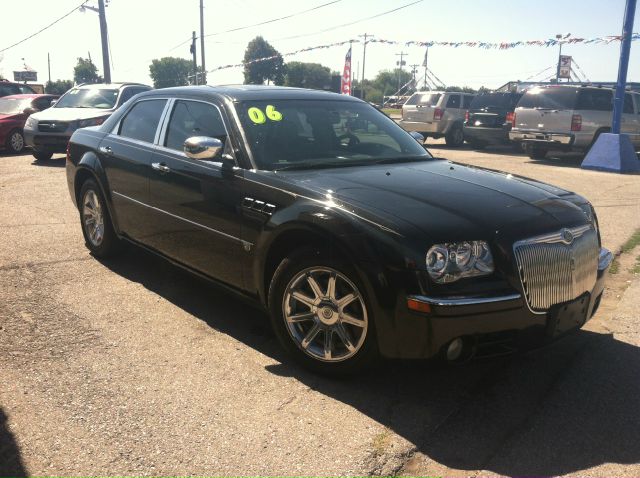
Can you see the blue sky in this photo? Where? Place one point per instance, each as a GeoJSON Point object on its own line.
{"type": "Point", "coordinates": [141, 30]}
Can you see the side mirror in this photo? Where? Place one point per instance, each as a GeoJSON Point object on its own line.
{"type": "Point", "coordinates": [29, 110]}
{"type": "Point", "coordinates": [53, 102]}
{"type": "Point", "coordinates": [417, 136]}
{"type": "Point", "coordinates": [203, 148]}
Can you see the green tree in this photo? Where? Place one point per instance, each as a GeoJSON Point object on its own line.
{"type": "Point", "coordinates": [86, 72]}
{"type": "Point", "coordinates": [58, 87]}
{"type": "Point", "coordinates": [307, 75]}
{"type": "Point", "coordinates": [268, 70]}
{"type": "Point", "coordinates": [170, 71]}
{"type": "Point", "coordinates": [389, 81]}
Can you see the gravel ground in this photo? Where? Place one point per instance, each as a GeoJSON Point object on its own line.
{"type": "Point", "coordinates": [133, 367]}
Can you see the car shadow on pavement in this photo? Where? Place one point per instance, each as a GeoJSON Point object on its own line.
{"type": "Point", "coordinates": [560, 409]}
{"type": "Point", "coordinates": [10, 460]}
{"type": "Point", "coordinates": [50, 163]}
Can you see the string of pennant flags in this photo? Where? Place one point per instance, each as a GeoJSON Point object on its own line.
{"type": "Point", "coordinates": [452, 44]}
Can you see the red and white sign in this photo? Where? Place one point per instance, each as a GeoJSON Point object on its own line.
{"type": "Point", "coordinates": [345, 82]}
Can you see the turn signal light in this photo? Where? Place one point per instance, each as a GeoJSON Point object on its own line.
{"type": "Point", "coordinates": [511, 118]}
{"type": "Point", "coordinates": [437, 114]}
{"type": "Point", "coordinates": [466, 116]}
{"type": "Point", "coordinates": [418, 306]}
{"type": "Point", "coordinates": [576, 123]}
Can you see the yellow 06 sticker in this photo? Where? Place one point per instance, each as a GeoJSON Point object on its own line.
{"type": "Point", "coordinates": [258, 117]}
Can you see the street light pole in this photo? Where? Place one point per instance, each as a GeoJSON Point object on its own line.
{"type": "Point", "coordinates": [193, 53]}
{"type": "Point", "coordinates": [106, 68]}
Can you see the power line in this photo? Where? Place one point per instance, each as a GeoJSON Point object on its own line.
{"type": "Point", "coordinates": [261, 23]}
{"type": "Point", "coordinates": [45, 28]}
{"type": "Point", "coordinates": [350, 23]}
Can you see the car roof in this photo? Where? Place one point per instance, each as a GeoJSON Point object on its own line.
{"type": "Point", "coordinates": [250, 92]}
{"type": "Point", "coordinates": [108, 85]}
{"type": "Point", "coordinates": [28, 95]}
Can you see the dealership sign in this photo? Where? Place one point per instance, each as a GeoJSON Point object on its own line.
{"type": "Point", "coordinates": [29, 75]}
{"type": "Point", "coordinates": [565, 66]}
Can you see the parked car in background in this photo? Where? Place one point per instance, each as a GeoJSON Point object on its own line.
{"type": "Point", "coordinates": [14, 111]}
{"type": "Point", "coordinates": [436, 114]}
{"type": "Point", "coordinates": [570, 118]}
{"type": "Point", "coordinates": [8, 88]}
{"type": "Point", "coordinates": [331, 217]}
{"type": "Point", "coordinates": [489, 119]}
{"type": "Point", "coordinates": [48, 132]}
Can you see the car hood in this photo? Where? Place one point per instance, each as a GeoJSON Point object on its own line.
{"type": "Point", "coordinates": [15, 116]}
{"type": "Point", "coordinates": [70, 114]}
{"type": "Point", "coordinates": [448, 201]}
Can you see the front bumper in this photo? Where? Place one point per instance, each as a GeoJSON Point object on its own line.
{"type": "Point", "coordinates": [47, 142]}
{"type": "Point", "coordinates": [477, 319]}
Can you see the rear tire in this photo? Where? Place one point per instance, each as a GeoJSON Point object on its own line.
{"type": "Point", "coordinates": [15, 141]}
{"type": "Point", "coordinates": [97, 228]}
{"type": "Point", "coordinates": [535, 152]}
{"type": "Point", "coordinates": [310, 318]}
{"type": "Point", "coordinates": [42, 156]}
{"type": "Point", "coordinates": [455, 136]}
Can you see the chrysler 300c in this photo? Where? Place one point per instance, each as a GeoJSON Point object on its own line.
{"type": "Point", "coordinates": [354, 238]}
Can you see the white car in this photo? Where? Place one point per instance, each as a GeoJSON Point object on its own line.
{"type": "Point", "coordinates": [48, 131]}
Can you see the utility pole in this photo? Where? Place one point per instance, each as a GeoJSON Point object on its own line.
{"type": "Point", "coordinates": [364, 53]}
{"type": "Point", "coordinates": [193, 53]}
{"type": "Point", "coordinates": [49, 66]}
{"type": "Point", "coordinates": [106, 68]}
{"type": "Point", "coordinates": [559, 56]}
{"type": "Point", "coordinates": [401, 64]}
{"type": "Point", "coordinates": [202, 60]}
{"type": "Point", "coordinates": [424, 63]}
{"type": "Point", "coordinates": [351, 68]}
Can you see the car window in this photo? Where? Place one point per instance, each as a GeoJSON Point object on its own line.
{"type": "Point", "coordinates": [42, 103]}
{"type": "Point", "coordinates": [637, 98]}
{"type": "Point", "coordinates": [6, 90]}
{"type": "Point", "coordinates": [628, 104]}
{"type": "Point", "coordinates": [430, 99]}
{"type": "Point", "coordinates": [26, 89]}
{"type": "Point", "coordinates": [467, 101]}
{"type": "Point", "coordinates": [193, 118]}
{"type": "Point", "coordinates": [453, 101]}
{"type": "Point", "coordinates": [554, 98]}
{"type": "Point", "coordinates": [595, 100]}
{"type": "Point", "coordinates": [141, 122]}
{"type": "Point", "coordinates": [129, 93]}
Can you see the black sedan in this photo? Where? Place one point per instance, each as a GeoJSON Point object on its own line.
{"type": "Point", "coordinates": [356, 240]}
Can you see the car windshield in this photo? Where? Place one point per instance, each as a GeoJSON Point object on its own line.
{"type": "Point", "coordinates": [88, 98]}
{"type": "Point", "coordinates": [491, 101]}
{"type": "Point", "coordinates": [553, 98]}
{"type": "Point", "coordinates": [296, 134]}
{"type": "Point", "coordinates": [12, 106]}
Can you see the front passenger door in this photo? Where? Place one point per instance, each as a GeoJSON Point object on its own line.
{"type": "Point", "coordinates": [197, 203]}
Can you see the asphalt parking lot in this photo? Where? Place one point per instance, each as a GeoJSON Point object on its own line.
{"type": "Point", "coordinates": [133, 367]}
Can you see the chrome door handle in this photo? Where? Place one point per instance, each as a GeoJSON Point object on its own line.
{"type": "Point", "coordinates": [163, 168]}
{"type": "Point", "coordinates": [106, 150]}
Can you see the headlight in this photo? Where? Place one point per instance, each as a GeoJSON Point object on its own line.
{"type": "Point", "coordinates": [31, 123]}
{"type": "Point", "coordinates": [587, 209]}
{"type": "Point", "coordinates": [91, 122]}
{"type": "Point", "coordinates": [456, 260]}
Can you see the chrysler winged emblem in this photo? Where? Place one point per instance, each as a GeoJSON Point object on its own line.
{"type": "Point", "coordinates": [567, 236]}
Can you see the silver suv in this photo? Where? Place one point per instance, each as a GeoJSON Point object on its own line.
{"type": "Point", "coordinates": [437, 114]}
{"type": "Point", "coordinates": [48, 131]}
{"type": "Point", "coordinates": [570, 118]}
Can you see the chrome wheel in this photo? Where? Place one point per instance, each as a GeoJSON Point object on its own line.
{"type": "Point", "coordinates": [325, 314]}
{"type": "Point", "coordinates": [16, 141]}
{"type": "Point", "coordinates": [92, 218]}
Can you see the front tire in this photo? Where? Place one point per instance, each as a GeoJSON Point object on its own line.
{"type": "Point", "coordinates": [455, 137]}
{"type": "Point", "coordinates": [97, 228]}
{"type": "Point", "coordinates": [320, 314]}
{"type": "Point", "coordinates": [15, 142]}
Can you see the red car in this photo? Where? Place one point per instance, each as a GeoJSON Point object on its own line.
{"type": "Point", "coordinates": [14, 111]}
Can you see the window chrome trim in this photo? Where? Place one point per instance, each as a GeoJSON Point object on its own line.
{"type": "Point", "coordinates": [461, 301]}
{"type": "Point", "coordinates": [247, 245]}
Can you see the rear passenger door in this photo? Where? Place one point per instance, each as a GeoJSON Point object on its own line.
{"type": "Point", "coordinates": [197, 203]}
{"type": "Point", "coordinates": [125, 155]}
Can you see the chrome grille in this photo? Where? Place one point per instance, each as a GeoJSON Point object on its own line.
{"type": "Point", "coordinates": [557, 267]}
{"type": "Point", "coordinates": [52, 126]}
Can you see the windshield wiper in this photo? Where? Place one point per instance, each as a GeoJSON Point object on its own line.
{"type": "Point", "coordinates": [402, 159]}
{"type": "Point", "coordinates": [319, 165]}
